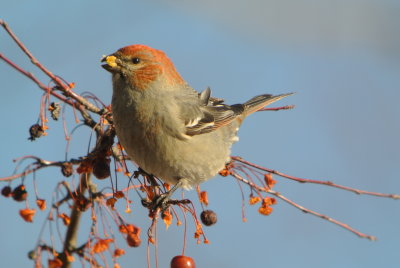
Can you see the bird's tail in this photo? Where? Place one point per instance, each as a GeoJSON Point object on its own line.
{"type": "Point", "coordinates": [259, 102]}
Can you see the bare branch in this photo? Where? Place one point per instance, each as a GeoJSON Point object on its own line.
{"type": "Point", "coordinates": [70, 242]}
{"type": "Point", "coordinates": [35, 80]}
{"type": "Point", "coordinates": [39, 164]}
{"type": "Point", "coordinates": [306, 210]}
{"type": "Point", "coordinates": [65, 88]}
{"type": "Point", "coordinates": [328, 183]}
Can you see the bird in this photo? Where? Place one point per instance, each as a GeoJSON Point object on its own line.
{"type": "Point", "coordinates": [170, 130]}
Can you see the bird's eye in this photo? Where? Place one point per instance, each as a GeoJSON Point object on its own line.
{"type": "Point", "coordinates": [135, 60]}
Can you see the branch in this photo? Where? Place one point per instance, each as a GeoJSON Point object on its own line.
{"type": "Point", "coordinates": [65, 88]}
{"type": "Point", "coordinates": [35, 80]}
{"type": "Point", "coordinates": [82, 109]}
{"type": "Point", "coordinates": [39, 164]}
{"type": "Point", "coordinates": [306, 210]}
{"type": "Point", "coordinates": [73, 228]}
{"type": "Point", "coordinates": [328, 183]}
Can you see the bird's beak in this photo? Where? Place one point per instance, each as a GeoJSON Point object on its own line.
{"type": "Point", "coordinates": [110, 63]}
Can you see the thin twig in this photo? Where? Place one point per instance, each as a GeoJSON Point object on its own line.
{"type": "Point", "coordinates": [306, 210]}
{"type": "Point", "coordinates": [82, 108]}
{"type": "Point", "coordinates": [66, 89]}
{"type": "Point", "coordinates": [302, 180]}
{"type": "Point", "coordinates": [20, 175]}
{"type": "Point", "coordinates": [39, 164]}
{"type": "Point", "coordinates": [35, 80]}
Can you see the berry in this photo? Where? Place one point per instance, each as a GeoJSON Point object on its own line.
{"type": "Point", "coordinates": [182, 262]}
{"type": "Point", "coordinates": [6, 191]}
{"type": "Point", "coordinates": [20, 194]}
{"type": "Point", "coordinates": [208, 217]}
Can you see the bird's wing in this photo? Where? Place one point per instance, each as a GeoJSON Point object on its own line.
{"type": "Point", "coordinates": [210, 118]}
{"type": "Point", "coordinates": [206, 99]}
{"type": "Point", "coordinates": [206, 115]}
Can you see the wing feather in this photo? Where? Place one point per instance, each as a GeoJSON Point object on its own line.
{"type": "Point", "coordinates": [207, 114]}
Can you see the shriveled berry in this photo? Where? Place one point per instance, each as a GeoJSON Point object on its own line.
{"type": "Point", "coordinates": [119, 194]}
{"type": "Point", "coordinates": [32, 255]}
{"type": "Point", "coordinates": [20, 194]}
{"type": "Point", "coordinates": [133, 240]}
{"type": "Point", "coordinates": [208, 217]}
{"type": "Point", "coordinates": [54, 109]}
{"type": "Point", "coordinates": [182, 262]}
{"type": "Point", "coordinates": [83, 203]}
{"type": "Point", "coordinates": [67, 169]}
{"type": "Point", "coordinates": [35, 131]}
{"type": "Point", "coordinates": [6, 191]}
{"type": "Point", "coordinates": [101, 168]}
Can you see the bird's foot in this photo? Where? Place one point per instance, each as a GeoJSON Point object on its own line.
{"type": "Point", "coordinates": [162, 201]}
{"type": "Point", "coordinates": [159, 202]}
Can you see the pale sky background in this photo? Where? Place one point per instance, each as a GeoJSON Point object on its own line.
{"type": "Point", "coordinates": [341, 57]}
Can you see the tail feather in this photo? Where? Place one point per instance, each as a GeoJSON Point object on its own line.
{"type": "Point", "coordinates": [259, 102]}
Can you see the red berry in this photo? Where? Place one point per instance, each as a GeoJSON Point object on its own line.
{"type": "Point", "coordinates": [182, 262]}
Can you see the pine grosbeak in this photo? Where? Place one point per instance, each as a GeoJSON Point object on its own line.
{"type": "Point", "coordinates": [166, 127]}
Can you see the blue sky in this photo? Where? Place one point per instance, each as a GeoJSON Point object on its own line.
{"type": "Point", "coordinates": [341, 57]}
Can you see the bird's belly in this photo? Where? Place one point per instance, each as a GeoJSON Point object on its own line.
{"type": "Point", "coordinates": [194, 160]}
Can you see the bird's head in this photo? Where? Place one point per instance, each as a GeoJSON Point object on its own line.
{"type": "Point", "coordinates": [142, 65]}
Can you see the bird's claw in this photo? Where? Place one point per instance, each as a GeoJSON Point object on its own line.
{"type": "Point", "coordinates": [160, 202]}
